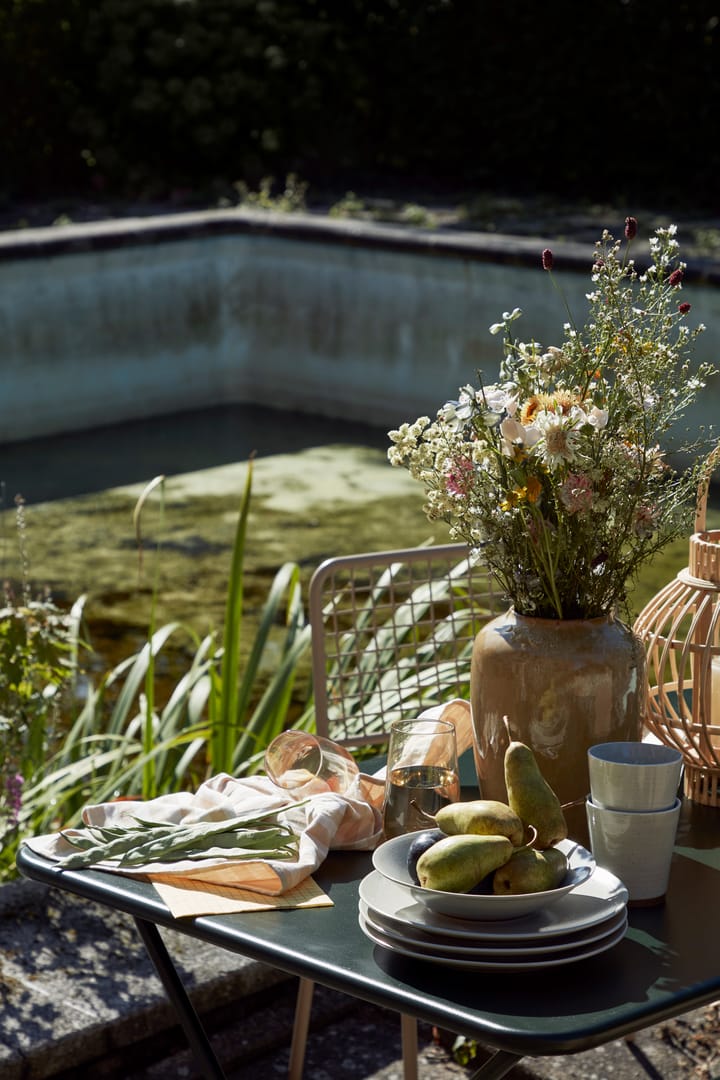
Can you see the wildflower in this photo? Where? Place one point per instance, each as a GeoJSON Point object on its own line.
{"type": "Point", "coordinates": [554, 471]}
{"type": "Point", "coordinates": [644, 523]}
{"type": "Point", "coordinates": [459, 479]}
{"type": "Point", "coordinates": [576, 493]}
{"type": "Point", "coordinates": [631, 227]}
{"type": "Point", "coordinates": [547, 259]}
{"type": "Point", "coordinates": [598, 418]}
{"type": "Point", "coordinates": [552, 360]}
{"type": "Point", "coordinates": [13, 797]}
{"type": "Point", "coordinates": [498, 401]}
{"type": "Point", "coordinates": [517, 438]}
{"type": "Point", "coordinates": [406, 439]}
{"type": "Point", "coordinates": [559, 439]}
{"type": "Point", "coordinates": [459, 412]}
{"type": "Point", "coordinates": [508, 317]}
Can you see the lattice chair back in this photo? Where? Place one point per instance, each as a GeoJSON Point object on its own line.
{"type": "Point", "coordinates": [392, 634]}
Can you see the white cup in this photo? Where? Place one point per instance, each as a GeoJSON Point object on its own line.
{"type": "Point", "coordinates": [636, 847]}
{"type": "Point", "coordinates": [634, 775]}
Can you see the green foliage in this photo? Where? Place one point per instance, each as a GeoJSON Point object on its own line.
{"type": "Point", "coordinates": [219, 717]}
{"type": "Point", "coordinates": [39, 647]}
{"type": "Point", "coordinates": [349, 206]}
{"type": "Point", "coordinates": [291, 200]}
{"type": "Point", "coordinates": [155, 95]}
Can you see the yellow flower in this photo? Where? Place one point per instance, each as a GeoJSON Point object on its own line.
{"type": "Point", "coordinates": [529, 492]}
{"type": "Point", "coordinates": [561, 401]}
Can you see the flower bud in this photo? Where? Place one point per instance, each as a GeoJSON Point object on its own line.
{"type": "Point", "coordinates": [675, 278]}
{"type": "Point", "coordinates": [631, 226]}
{"type": "Point", "coordinates": [547, 259]}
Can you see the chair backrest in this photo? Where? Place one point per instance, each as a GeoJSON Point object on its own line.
{"type": "Point", "coordinates": [392, 634]}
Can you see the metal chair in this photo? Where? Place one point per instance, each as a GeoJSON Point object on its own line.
{"type": "Point", "coordinates": [392, 634]}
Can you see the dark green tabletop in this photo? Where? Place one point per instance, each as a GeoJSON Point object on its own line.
{"type": "Point", "coordinates": [667, 964]}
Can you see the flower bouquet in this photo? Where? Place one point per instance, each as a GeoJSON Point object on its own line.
{"type": "Point", "coordinates": [557, 472]}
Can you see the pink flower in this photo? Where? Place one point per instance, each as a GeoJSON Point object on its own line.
{"type": "Point", "coordinates": [684, 308]}
{"type": "Point", "coordinates": [576, 493]}
{"type": "Point", "coordinates": [631, 227]}
{"type": "Point", "coordinates": [459, 479]}
{"type": "Point", "coordinates": [644, 524]}
{"type": "Point", "coordinates": [675, 278]}
{"type": "Point", "coordinates": [13, 797]}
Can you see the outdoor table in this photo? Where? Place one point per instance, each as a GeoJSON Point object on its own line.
{"type": "Point", "coordinates": [667, 964]}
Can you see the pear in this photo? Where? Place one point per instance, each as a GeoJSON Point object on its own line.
{"type": "Point", "coordinates": [532, 798]}
{"type": "Point", "coordinates": [486, 817]}
{"type": "Point", "coordinates": [459, 863]}
{"type": "Point", "coordinates": [528, 871]}
{"type": "Point", "coordinates": [559, 862]}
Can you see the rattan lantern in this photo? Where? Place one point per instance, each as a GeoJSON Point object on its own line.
{"type": "Point", "coordinates": [680, 628]}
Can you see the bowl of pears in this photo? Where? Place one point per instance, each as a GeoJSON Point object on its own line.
{"type": "Point", "coordinates": [488, 859]}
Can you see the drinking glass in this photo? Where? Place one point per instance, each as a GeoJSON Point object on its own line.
{"type": "Point", "coordinates": [307, 764]}
{"type": "Point", "coordinates": [422, 774]}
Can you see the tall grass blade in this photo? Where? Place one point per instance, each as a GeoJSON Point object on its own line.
{"type": "Point", "coordinates": [224, 718]}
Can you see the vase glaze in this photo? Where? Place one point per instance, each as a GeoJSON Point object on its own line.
{"type": "Point", "coordinates": [564, 685]}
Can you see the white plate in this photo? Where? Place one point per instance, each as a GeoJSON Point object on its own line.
{"type": "Point", "coordinates": [476, 948]}
{"type": "Point", "coordinates": [597, 899]}
{"type": "Point", "coordinates": [390, 860]}
{"type": "Point", "coordinates": [582, 952]}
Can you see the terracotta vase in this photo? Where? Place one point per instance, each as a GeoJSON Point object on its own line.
{"type": "Point", "coordinates": [564, 685]}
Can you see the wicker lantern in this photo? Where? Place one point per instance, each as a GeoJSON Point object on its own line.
{"type": "Point", "coordinates": [680, 628]}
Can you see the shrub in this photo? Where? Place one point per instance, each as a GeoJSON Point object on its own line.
{"type": "Point", "coordinates": [143, 96]}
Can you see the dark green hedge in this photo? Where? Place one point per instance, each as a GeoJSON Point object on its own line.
{"type": "Point", "coordinates": [595, 98]}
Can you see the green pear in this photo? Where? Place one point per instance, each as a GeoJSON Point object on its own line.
{"type": "Point", "coordinates": [532, 798]}
{"type": "Point", "coordinates": [486, 817]}
{"type": "Point", "coordinates": [528, 871]}
{"type": "Point", "coordinates": [559, 862]}
{"type": "Point", "coordinates": [459, 863]}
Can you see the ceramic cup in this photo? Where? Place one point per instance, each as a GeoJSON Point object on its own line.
{"type": "Point", "coordinates": [636, 847]}
{"type": "Point", "coordinates": [634, 775]}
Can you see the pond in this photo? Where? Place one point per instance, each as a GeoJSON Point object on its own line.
{"type": "Point", "coordinates": [320, 487]}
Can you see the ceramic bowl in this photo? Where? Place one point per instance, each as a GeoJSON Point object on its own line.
{"type": "Point", "coordinates": [390, 860]}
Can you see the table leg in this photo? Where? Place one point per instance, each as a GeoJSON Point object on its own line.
{"type": "Point", "coordinates": [497, 1066]}
{"type": "Point", "coordinates": [194, 1031]}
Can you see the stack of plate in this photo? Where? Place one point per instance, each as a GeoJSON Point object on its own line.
{"type": "Point", "coordinates": [586, 921]}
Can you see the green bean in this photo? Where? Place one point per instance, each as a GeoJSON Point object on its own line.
{"type": "Point", "coordinates": [245, 837]}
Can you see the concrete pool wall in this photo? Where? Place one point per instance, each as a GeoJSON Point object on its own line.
{"type": "Point", "coordinates": [129, 319]}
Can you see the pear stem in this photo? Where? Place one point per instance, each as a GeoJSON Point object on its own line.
{"type": "Point", "coordinates": [423, 813]}
{"type": "Point", "coordinates": [529, 843]}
